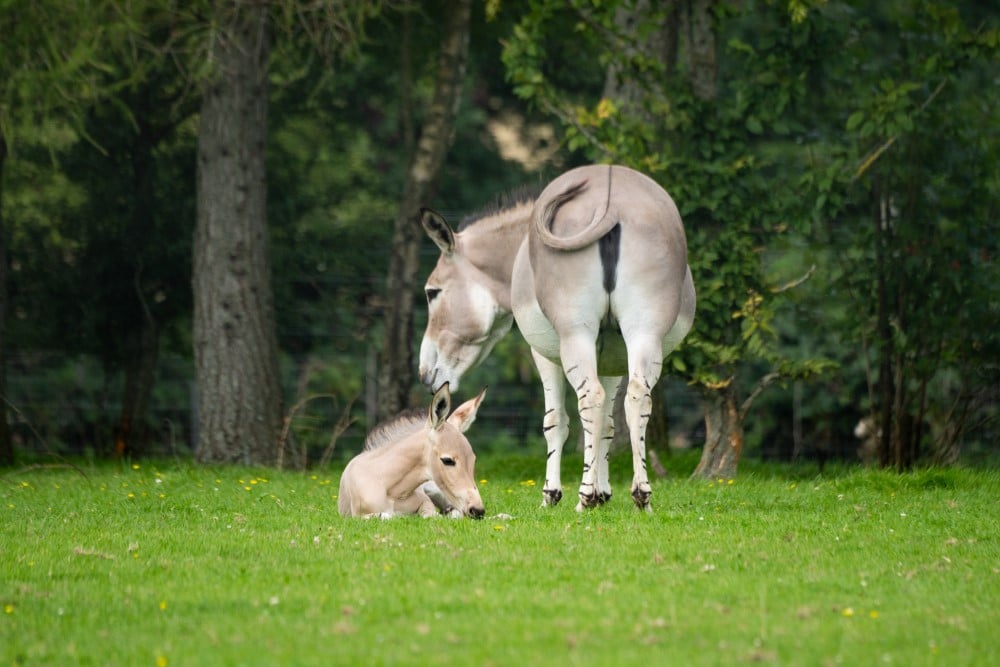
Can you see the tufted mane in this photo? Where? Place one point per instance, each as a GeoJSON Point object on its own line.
{"type": "Point", "coordinates": [523, 195]}
{"type": "Point", "coordinates": [396, 428]}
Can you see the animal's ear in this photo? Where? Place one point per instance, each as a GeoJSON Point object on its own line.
{"type": "Point", "coordinates": [438, 230]}
{"type": "Point", "coordinates": [440, 407]}
{"type": "Point", "coordinates": [465, 414]}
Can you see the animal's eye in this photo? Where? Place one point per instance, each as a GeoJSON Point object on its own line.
{"type": "Point", "coordinates": [432, 292]}
{"type": "Point", "coordinates": [447, 460]}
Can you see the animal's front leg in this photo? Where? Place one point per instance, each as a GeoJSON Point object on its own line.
{"type": "Point", "coordinates": [436, 500]}
{"type": "Point", "coordinates": [610, 385]}
{"type": "Point", "coordinates": [555, 426]}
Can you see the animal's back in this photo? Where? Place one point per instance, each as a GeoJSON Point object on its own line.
{"type": "Point", "coordinates": [608, 252]}
{"type": "Point", "coordinates": [587, 202]}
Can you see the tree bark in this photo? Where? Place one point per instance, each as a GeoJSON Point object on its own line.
{"type": "Point", "coordinates": [396, 371]}
{"type": "Point", "coordinates": [723, 435]}
{"type": "Point", "coordinates": [235, 343]}
{"type": "Point", "coordinates": [6, 444]}
{"type": "Point", "coordinates": [701, 51]}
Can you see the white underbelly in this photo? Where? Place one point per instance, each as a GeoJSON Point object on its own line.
{"type": "Point", "coordinates": [538, 331]}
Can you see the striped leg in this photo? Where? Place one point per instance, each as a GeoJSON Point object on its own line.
{"type": "Point", "coordinates": [580, 362]}
{"type": "Point", "coordinates": [555, 426]}
{"type": "Point", "coordinates": [610, 385]}
{"type": "Point", "coordinates": [645, 364]}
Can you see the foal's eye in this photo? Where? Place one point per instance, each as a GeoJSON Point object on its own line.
{"type": "Point", "coordinates": [432, 293]}
{"type": "Point", "coordinates": [447, 460]}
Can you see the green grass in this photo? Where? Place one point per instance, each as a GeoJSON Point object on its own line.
{"type": "Point", "coordinates": [174, 564]}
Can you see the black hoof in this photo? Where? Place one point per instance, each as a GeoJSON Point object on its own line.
{"type": "Point", "coordinates": [603, 497]}
{"type": "Point", "coordinates": [641, 498]}
{"type": "Point", "coordinates": [588, 500]}
{"type": "Point", "coordinates": [551, 497]}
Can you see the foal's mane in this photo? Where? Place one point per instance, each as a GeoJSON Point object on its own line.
{"type": "Point", "coordinates": [525, 194]}
{"type": "Point", "coordinates": [396, 428]}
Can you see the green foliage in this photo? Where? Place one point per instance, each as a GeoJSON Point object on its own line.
{"type": "Point", "coordinates": [905, 185]}
{"type": "Point", "coordinates": [253, 566]}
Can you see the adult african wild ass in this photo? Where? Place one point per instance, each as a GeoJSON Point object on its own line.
{"type": "Point", "coordinates": [595, 273]}
{"type": "Point", "coordinates": [416, 462]}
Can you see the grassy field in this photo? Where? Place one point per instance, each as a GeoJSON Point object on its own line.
{"type": "Point", "coordinates": [173, 564]}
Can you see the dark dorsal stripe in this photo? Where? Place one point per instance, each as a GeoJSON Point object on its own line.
{"type": "Point", "coordinates": [610, 248]}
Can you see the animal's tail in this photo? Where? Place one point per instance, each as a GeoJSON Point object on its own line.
{"type": "Point", "coordinates": [599, 225]}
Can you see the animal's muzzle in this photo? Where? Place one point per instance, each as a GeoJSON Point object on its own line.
{"type": "Point", "coordinates": [477, 512]}
{"type": "Point", "coordinates": [427, 378]}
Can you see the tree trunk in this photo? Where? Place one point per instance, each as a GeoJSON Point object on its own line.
{"type": "Point", "coordinates": [396, 370]}
{"type": "Point", "coordinates": [141, 356]}
{"type": "Point", "coordinates": [884, 391]}
{"type": "Point", "coordinates": [723, 435]}
{"type": "Point", "coordinates": [235, 343]}
{"type": "Point", "coordinates": [6, 445]}
{"type": "Point", "coordinates": [141, 348]}
{"type": "Point", "coordinates": [701, 51]}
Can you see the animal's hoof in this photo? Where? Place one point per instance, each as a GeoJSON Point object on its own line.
{"type": "Point", "coordinates": [588, 500]}
{"type": "Point", "coordinates": [603, 497]}
{"type": "Point", "coordinates": [641, 495]}
{"type": "Point", "coordinates": [551, 497]}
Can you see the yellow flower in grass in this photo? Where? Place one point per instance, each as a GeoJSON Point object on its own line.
{"type": "Point", "coordinates": [8, 609]}
{"type": "Point", "coordinates": [161, 661]}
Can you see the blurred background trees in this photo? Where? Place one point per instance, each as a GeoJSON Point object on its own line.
{"type": "Point", "coordinates": [835, 162]}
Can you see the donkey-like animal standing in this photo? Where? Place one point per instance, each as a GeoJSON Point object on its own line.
{"type": "Point", "coordinates": [595, 272]}
{"type": "Point", "coordinates": [414, 463]}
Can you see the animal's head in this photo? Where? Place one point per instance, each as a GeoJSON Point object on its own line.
{"type": "Point", "coordinates": [464, 319]}
{"type": "Point", "coordinates": [449, 456]}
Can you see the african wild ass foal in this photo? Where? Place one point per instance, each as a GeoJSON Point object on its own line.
{"type": "Point", "coordinates": [595, 273]}
{"type": "Point", "coordinates": [415, 462]}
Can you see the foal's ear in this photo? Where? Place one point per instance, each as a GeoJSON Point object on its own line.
{"type": "Point", "coordinates": [440, 407]}
{"type": "Point", "coordinates": [465, 414]}
{"type": "Point", "coordinates": [438, 230]}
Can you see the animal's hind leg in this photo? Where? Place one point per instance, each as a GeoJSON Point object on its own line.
{"type": "Point", "coordinates": [580, 363]}
{"type": "Point", "coordinates": [610, 385]}
{"type": "Point", "coordinates": [645, 364]}
{"type": "Point", "coordinates": [555, 426]}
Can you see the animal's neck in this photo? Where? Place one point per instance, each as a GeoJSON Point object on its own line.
{"type": "Point", "coordinates": [404, 467]}
{"type": "Point", "coordinates": [491, 246]}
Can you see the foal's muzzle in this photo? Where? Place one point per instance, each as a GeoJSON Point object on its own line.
{"type": "Point", "coordinates": [477, 512]}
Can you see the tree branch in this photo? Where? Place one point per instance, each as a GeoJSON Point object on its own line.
{"type": "Point", "coordinates": [796, 282]}
{"type": "Point", "coordinates": [762, 384]}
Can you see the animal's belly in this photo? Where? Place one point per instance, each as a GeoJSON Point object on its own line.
{"type": "Point", "coordinates": [538, 332]}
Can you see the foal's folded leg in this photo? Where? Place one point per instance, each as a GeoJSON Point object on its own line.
{"type": "Point", "coordinates": [438, 500]}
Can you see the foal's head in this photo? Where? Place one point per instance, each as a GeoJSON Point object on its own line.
{"type": "Point", "coordinates": [448, 454]}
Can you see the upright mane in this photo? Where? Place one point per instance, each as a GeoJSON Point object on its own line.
{"type": "Point", "coordinates": [526, 194]}
{"type": "Point", "coordinates": [396, 428]}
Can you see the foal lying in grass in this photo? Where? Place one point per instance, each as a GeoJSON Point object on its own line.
{"type": "Point", "coordinates": [416, 463]}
